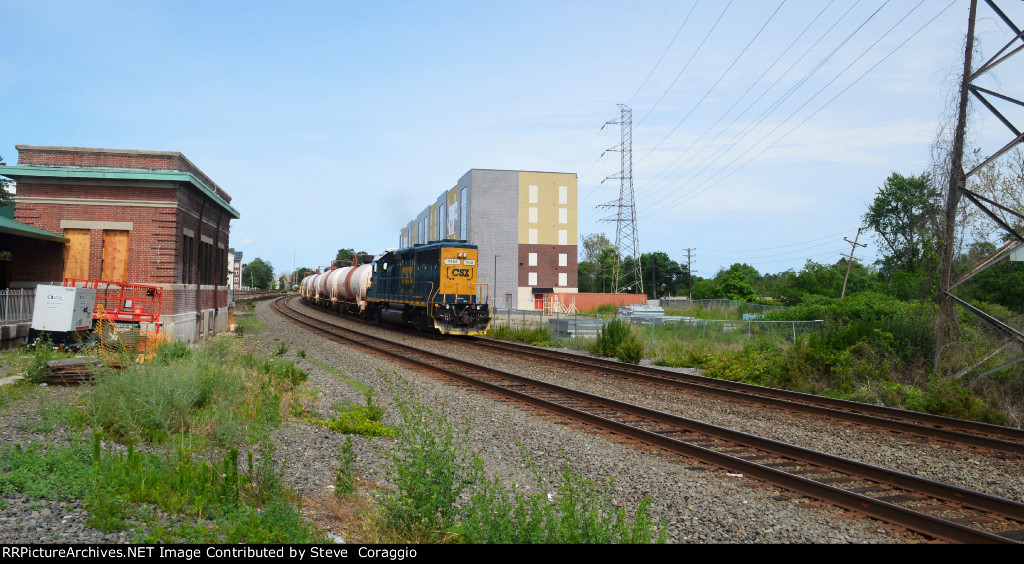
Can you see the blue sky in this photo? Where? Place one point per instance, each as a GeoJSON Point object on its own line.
{"type": "Point", "coordinates": [332, 124]}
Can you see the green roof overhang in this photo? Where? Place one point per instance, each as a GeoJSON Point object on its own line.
{"type": "Point", "coordinates": [116, 174]}
{"type": "Point", "coordinates": [11, 227]}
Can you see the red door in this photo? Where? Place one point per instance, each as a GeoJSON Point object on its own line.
{"type": "Point", "coordinates": [538, 301]}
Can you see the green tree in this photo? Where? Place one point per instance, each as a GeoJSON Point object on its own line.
{"type": "Point", "coordinates": [258, 274]}
{"type": "Point", "coordinates": [596, 265]}
{"type": "Point", "coordinates": [299, 274]}
{"type": "Point", "coordinates": [1000, 284]}
{"type": "Point", "coordinates": [346, 255]}
{"type": "Point", "coordinates": [6, 197]}
{"type": "Point", "coordinates": [663, 276]}
{"type": "Point", "coordinates": [904, 217]}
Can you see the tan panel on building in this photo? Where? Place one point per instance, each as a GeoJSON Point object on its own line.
{"type": "Point", "coordinates": [76, 253]}
{"type": "Point", "coordinates": [115, 256]}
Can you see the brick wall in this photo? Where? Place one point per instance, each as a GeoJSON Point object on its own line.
{"type": "Point", "coordinates": [116, 158]}
{"type": "Point", "coordinates": [151, 242]}
{"type": "Point", "coordinates": [36, 260]}
{"type": "Point", "coordinates": [547, 268]}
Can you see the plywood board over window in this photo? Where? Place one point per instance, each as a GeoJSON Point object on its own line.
{"type": "Point", "coordinates": [115, 256]}
{"type": "Point", "coordinates": [76, 253]}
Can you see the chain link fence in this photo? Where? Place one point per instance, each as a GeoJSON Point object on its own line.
{"type": "Point", "coordinates": [570, 330]}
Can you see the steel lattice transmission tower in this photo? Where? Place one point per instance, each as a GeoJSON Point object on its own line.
{"type": "Point", "coordinates": [958, 178]}
{"type": "Point", "coordinates": [627, 239]}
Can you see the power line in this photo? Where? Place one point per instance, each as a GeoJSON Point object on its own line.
{"type": "Point", "coordinates": [880, 61]}
{"type": "Point", "coordinates": [714, 157]}
{"type": "Point", "coordinates": [665, 52]}
{"type": "Point", "coordinates": [797, 251]}
{"type": "Point", "coordinates": [681, 71]}
{"type": "Point", "coordinates": [780, 246]}
{"type": "Point", "coordinates": [686, 151]}
{"type": "Point", "coordinates": [715, 85]}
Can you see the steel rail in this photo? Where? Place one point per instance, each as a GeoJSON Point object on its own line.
{"type": "Point", "coordinates": [982, 435]}
{"type": "Point", "coordinates": [889, 512]}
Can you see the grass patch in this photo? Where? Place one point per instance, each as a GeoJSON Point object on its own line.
{"type": "Point", "coordinates": [443, 495]}
{"type": "Point", "coordinates": [16, 392]}
{"type": "Point", "coordinates": [220, 393]}
{"type": "Point", "coordinates": [342, 376]}
{"type": "Point", "coordinates": [121, 489]}
{"type": "Point", "coordinates": [52, 415]}
{"type": "Point", "coordinates": [358, 420]}
{"type": "Point", "coordinates": [247, 324]}
{"type": "Point", "coordinates": [536, 336]}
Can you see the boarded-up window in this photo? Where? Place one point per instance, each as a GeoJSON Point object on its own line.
{"type": "Point", "coordinates": [115, 256]}
{"type": "Point", "coordinates": [76, 253]}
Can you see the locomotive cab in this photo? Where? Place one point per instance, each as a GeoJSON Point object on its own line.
{"type": "Point", "coordinates": [430, 286]}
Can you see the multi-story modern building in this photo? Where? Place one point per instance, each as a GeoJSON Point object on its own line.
{"type": "Point", "coordinates": [524, 224]}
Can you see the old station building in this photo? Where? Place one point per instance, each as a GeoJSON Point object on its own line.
{"type": "Point", "coordinates": [129, 216]}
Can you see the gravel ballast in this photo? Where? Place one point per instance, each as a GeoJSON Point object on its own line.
{"type": "Point", "coordinates": [696, 503]}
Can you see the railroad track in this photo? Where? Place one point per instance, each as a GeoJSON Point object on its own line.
{"type": "Point", "coordinates": [1003, 440]}
{"type": "Point", "coordinates": [931, 508]}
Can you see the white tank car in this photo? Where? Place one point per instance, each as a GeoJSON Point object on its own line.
{"type": "Point", "coordinates": [304, 287]}
{"type": "Point", "coordinates": [334, 279]}
{"type": "Point", "coordinates": [320, 287]}
{"type": "Point", "coordinates": [348, 286]}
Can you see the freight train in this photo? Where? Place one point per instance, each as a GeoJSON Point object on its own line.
{"type": "Point", "coordinates": [431, 286]}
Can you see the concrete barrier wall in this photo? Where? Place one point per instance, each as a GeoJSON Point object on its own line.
{"type": "Point", "coordinates": [12, 335]}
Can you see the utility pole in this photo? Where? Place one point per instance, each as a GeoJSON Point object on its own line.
{"type": "Point", "coordinates": [627, 239]}
{"type": "Point", "coordinates": [854, 246]}
{"type": "Point", "coordinates": [689, 274]}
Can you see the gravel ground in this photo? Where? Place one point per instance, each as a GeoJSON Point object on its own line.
{"type": "Point", "coordinates": [698, 504]}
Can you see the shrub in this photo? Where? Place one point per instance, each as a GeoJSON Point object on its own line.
{"type": "Point", "coordinates": [611, 336]}
{"type": "Point", "coordinates": [631, 349]}
{"type": "Point", "coordinates": [574, 510]}
{"type": "Point", "coordinates": [430, 467]}
{"type": "Point", "coordinates": [345, 480]}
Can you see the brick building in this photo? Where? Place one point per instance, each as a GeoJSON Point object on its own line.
{"type": "Point", "coordinates": [524, 224]}
{"type": "Point", "coordinates": [144, 217]}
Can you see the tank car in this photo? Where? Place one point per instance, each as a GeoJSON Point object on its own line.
{"type": "Point", "coordinates": [431, 286]}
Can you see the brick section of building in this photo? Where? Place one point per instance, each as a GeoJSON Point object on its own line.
{"type": "Point", "coordinates": [547, 268]}
{"type": "Point", "coordinates": [114, 158]}
{"type": "Point", "coordinates": [177, 226]}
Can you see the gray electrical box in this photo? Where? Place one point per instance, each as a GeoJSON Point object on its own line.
{"type": "Point", "coordinates": [60, 308]}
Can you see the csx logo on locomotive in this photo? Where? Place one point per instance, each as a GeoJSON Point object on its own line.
{"type": "Point", "coordinates": [460, 273]}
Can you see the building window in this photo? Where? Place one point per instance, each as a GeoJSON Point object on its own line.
{"type": "Point", "coordinates": [464, 224]}
{"type": "Point", "coordinates": [563, 194]}
{"type": "Point", "coordinates": [563, 237]}
{"type": "Point", "coordinates": [532, 259]}
{"type": "Point", "coordinates": [441, 221]}
{"type": "Point", "coordinates": [563, 279]}
{"type": "Point", "coordinates": [533, 237]}
{"type": "Point", "coordinates": [533, 215]}
{"type": "Point", "coordinates": [563, 215]}
{"type": "Point", "coordinates": [563, 259]}
{"type": "Point", "coordinates": [533, 194]}
{"type": "Point", "coordinates": [531, 279]}
{"type": "Point", "coordinates": [188, 274]}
